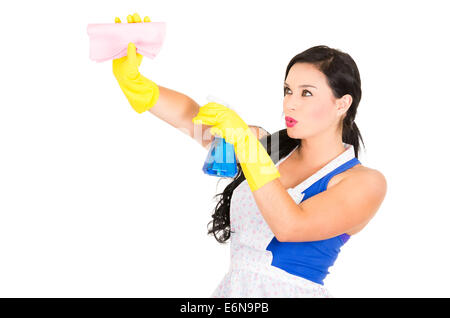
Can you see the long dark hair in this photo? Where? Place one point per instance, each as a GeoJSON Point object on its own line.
{"type": "Point", "coordinates": [343, 78]}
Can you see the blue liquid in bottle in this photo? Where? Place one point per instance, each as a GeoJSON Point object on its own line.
{"type": "Point", "coordinates": [221, 159]}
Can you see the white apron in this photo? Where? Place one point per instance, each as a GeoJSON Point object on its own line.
{"type": "Point", "coordinates": [251, 273]}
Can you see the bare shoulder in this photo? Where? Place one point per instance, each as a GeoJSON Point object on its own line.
{"type": "Point", "coordinates": [366, 188]}
{"type": "Point", "coordinates": [371, 174]}
{"type": "Point", "coordinates": [372, 179]}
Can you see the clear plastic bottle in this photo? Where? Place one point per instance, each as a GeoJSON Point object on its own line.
{"type": "Point", "coordinates": [221, 159]}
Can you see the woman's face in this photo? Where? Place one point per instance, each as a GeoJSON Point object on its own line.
{"type": "Point", "coordinates": [309, 100]}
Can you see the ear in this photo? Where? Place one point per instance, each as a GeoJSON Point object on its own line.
{"type": "Point", "coordinates": [344, 103]}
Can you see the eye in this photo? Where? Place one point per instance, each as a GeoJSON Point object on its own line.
{"type": "Point", "coordinates": [305, 90]}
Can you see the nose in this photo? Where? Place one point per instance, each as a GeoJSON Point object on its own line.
{"type": "Point", "coordinates": [291, 107]}
{"type": "Point", "coordinates": [289, 104]}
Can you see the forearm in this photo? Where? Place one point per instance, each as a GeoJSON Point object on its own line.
{"type": "Point", "coordinates": [172, 106]}
{"type": "Point", "coordinates": [278, 209]}
{"type": "Point", "coordinates": [178, 109]}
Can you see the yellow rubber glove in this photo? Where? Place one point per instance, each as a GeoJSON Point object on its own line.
{"type": "Point", "coordinates": [256, 163]}
{"type": "Point", "coordinates": [141, 92]}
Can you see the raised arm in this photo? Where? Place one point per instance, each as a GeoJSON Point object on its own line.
{"type": "Point", "coordinates": [143, 94]}
{"type": "Point", "coordinates": [178, 109]}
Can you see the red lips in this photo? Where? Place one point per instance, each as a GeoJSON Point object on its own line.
{"type": "Point", "coordinates": [290, 122]}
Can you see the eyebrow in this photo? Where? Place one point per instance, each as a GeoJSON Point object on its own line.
{"type": "Point", "coordinates": [304, 85]}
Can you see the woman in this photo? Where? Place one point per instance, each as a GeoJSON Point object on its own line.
{"type": "Point", "coordinates": [286, 221]}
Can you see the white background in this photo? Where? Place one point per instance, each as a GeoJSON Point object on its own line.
{"type": "Point", "coordinates": [99, 201]}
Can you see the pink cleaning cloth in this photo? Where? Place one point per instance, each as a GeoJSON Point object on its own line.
{"type": "Point", "coordinates": [110, 40]}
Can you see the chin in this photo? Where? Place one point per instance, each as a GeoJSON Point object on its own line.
{"type": "Point", "coordinates": [292, 134]}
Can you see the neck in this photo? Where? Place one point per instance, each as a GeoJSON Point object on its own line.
{"type": "Point", "coordinates": [319, 150]}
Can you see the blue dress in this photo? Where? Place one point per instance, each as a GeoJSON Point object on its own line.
{"type": "Point", "coordinates": [260, 265]}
